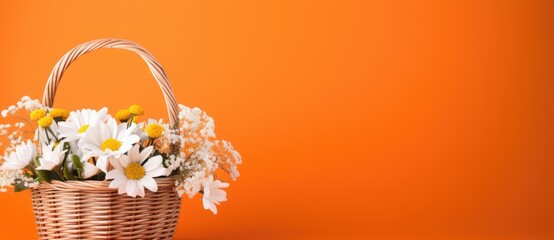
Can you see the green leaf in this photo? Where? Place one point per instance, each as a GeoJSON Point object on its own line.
{"type": "Point", "coordinates": [67, 173]}
{"type": "Point", "coordinates": [78, 165]}
{"type": "Point", "coordinates": [100, 176]}
{"type": "Point", "coordinates": [37, 162]}
{"type": "Point", "coordinates": [66, 148]}
{"type": "Point", "coordinates": [44, 175]}
{"type": "Point", "coordinates": [19, 186]}
{"type": "Point", "coordinates": [54, 176]}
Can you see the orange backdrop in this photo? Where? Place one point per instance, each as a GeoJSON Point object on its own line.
{"type": "Point", "coordinates": [355, 119]}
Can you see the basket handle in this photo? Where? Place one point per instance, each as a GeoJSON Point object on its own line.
{"type": "Point", "coordinates": [153, 64]}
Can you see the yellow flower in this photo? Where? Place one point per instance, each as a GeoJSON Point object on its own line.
{"type": "Point", "coordinates": [58, 113]}
{"type": "Point", "coordinates": [38, 114]}
{"type": "Point", "coordinates": [45, 122]}
{"type": "Point", "coordinates": [134, 171]}
{"type": "Point", "coordinates": [136, 110]}
{"type": "Point", "coordinates": [112, 144]}
{"type": "Point", "coordinates": [123, 115]}
{"type": "Point", "coordinates": [154, 130]}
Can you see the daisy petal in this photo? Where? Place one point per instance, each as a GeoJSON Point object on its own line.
{"type": "Point", "coordinates": [156, 172]}
{"type": "Point", "coordinates": [140, 190]}
{"type": "Point", "coordinates": [145, 153]}
{"type": "Point", "coordinates": [206, 202]}
{"type": "Point", "coordinates": [89, 170]}
{"type": "Point", "coordinates": [102, 163]}
{"type": "Point", "coordinates": [153, 163]}
{"type": "Point", "coordinates": [122, 188]}
{"type": "Point", "coordinates": [124, 161]}
{"type": "Point", "coordinates": [149, 183]}
{"type": "Point", "coordinates": [134, 152]}
{"type": "Point", "coordinates": [118, 182]}
{"type": "Point", "coordinates": [115, 174]}
{"type": "Point", "coordinates": [132, 188]}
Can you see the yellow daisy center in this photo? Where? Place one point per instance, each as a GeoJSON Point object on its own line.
{"type": "Point", "coordinates": [154, 130]}
{"type": "Point", "coordinates": [110, 143]}
{"type": "Point", "coordinates": [134, 171]}
{"type": "Point", "coordinates": [83, 128]}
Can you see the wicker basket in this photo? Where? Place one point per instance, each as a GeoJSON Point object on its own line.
{"type": "Point", "coordinates": [91, 210]}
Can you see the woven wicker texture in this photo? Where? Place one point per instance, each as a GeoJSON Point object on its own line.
{"type": "Point", "coordinates": [89, 209]}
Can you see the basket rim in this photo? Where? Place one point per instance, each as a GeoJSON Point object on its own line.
{"type": "Point", "coordinates": [94, 185]}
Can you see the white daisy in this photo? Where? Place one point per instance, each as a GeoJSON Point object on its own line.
{"type": "Point", "coordinates": [213, 194]}
{"type": "Point", "coordinates": [79, 121]}
{"type": "Point", "coordinates": [52, 156]}
{"type": "Point", "coordinates": [131, 175]}
{"type": "Point", "coordinates": [23, 155]}
{"type": "Point", "coordinates": [107, 140]}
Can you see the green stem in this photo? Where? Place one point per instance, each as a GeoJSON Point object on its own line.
{"type": "Point", "coordinates": [47, 135]}
{"type": "Point", "coordinates": [53, 135]}
{"type": "Point", "coordinates": [26, 120]}
{"type": "Point", "coordinates": [130, 121]}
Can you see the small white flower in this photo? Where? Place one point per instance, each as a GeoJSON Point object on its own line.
{"type": "Point", "coordinates": [107, 140]}
{"type": "Point", "coordinates": [31, 105]}
{"type": "Point", "coordinates": [138, 131]}
{"type": "Point", "coordinates": [213, 194]}
{"type": "Point", "coordinates": [131, 177]}
{"type": "Point", "coordinates": [23, 155]}
{"type": "Point", "coordinates": [51, 156]}
{"type": "Point", "coordinates": [79, 122]}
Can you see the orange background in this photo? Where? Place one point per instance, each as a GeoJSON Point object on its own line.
{"type": "Point", "coordinates": [355, 119]}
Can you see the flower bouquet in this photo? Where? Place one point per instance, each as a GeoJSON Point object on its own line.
{"type": "Point", "coordinates": [94, 175]}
